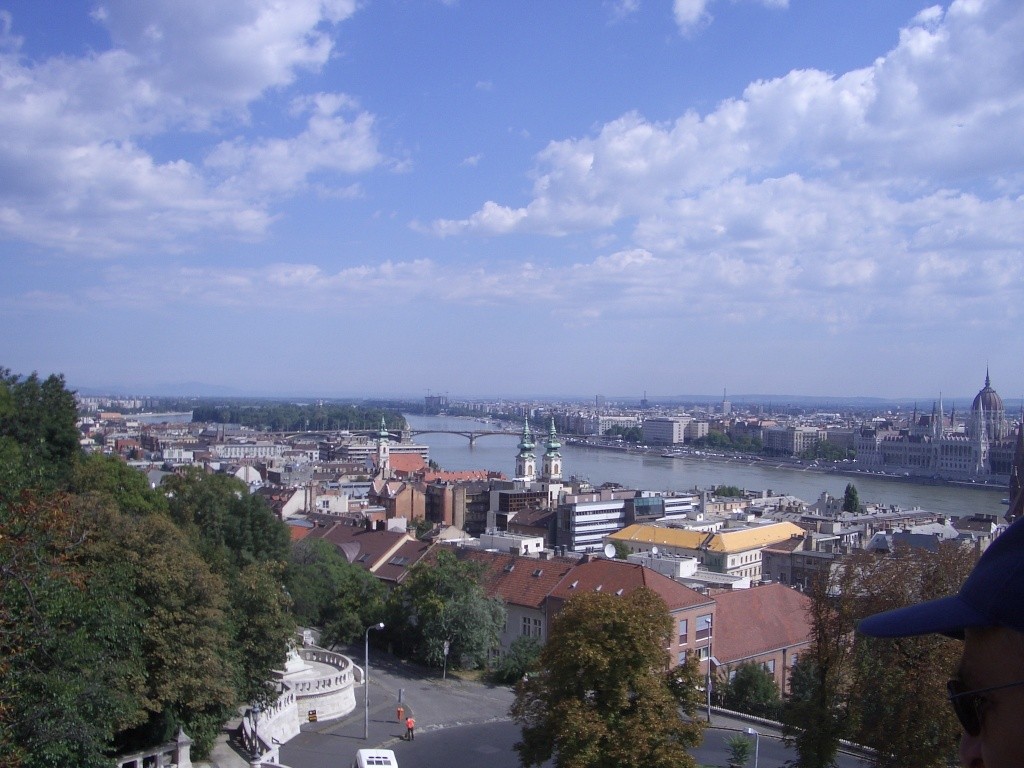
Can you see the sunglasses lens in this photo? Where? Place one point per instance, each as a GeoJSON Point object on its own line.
{"type": "Point", "coordinates": [965, 706]}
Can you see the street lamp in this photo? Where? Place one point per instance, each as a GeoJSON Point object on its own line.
{"type": "Point", "coordinates": [757, 743]}
{"type": "Point", "coordinates": [366, 678]}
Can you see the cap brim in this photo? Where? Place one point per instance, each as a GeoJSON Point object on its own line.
{"type": "Point", "coordinates": [948, 616]}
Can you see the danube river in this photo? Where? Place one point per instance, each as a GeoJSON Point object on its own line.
{"type": "Point", "coordinates": [651, 472]}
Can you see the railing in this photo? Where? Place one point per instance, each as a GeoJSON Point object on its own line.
{"type": "Point", "coordinates": [175, 752]}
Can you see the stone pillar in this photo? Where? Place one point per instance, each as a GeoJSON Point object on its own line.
{"type": "Point", "coordinates": [183, 747]}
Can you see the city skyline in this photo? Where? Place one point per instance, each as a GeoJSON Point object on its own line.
{"type": "Point", "coordinates": [333, 198]}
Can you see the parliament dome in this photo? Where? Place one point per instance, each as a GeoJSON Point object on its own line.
{"type": "Point", "coordinates": [988, 399]}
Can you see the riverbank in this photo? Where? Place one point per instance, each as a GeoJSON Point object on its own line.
{"type": "Point", "coordinates": [649, 469]}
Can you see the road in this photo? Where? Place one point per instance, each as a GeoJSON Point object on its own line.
{"type": "Point", "coordinates": [491, 745]}
{"type": "Point", "coordinates": [465, 724]}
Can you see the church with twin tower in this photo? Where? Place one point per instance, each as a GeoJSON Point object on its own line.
{"type": "Point", "coordinates": [550, 477]}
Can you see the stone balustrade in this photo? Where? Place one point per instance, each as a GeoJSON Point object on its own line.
{"type": "Point", "coordinates": [173, 753]}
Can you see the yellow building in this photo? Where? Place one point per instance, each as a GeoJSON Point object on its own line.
{"type": "Point", "coordinates": [736, 552]}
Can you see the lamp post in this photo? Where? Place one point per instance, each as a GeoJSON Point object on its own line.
{"type": "Point", "coordinates": [757, 743]}
{"type": "Point", "coordinates": [366, 678]}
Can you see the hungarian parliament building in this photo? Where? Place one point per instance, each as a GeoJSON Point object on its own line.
{"type": "Point", "coordinates": [936, 445]}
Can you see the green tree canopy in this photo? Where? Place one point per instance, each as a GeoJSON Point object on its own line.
{"type": "Point", "coordinates": [851, 501]}
{"type": "Point", "coordinates": [753, 690]}
{"type": "Point", "coordinates": [441, 602]}
{"type": "Point", "coordinates": [331, 593]}
{"type": "Point", "coordinates": [38, 436]}
{"type": "Point", "coordinates": [888, 694]}
{"type": "Point", "coordinates": [233, 527]}
{"type": "Point", "coordinates": [603, 696]}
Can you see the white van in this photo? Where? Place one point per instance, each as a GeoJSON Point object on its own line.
{"type": "Point", "coordinates": [375, 758]}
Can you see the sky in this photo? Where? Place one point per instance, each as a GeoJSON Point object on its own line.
{"type": "Point", "coordinates": [403, 197]}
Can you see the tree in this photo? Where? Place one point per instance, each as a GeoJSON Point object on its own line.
{"type": "Point", "coordinates": [602, 695]}
{"type": "Point", "coordinates": [814, 717]}
{"type": "Point", "coordinates": [330, 592]}
{"type": "Point", "coordinates": [262, 625]}
{"type": "Point", "coordinates": [521, 658]}
{"type": "Point", "coordinates": [621, 550]}
{"type": "Point", "coordinates": [731, 491]}
{"type": "Point", "coordinates": [739, 749]}
{"type": "Point", "coordinates": [38, 436]}
{"type": "Point", "coordinates": [886, 694]}
{"type": "Point", "coordinates": [70, 644]}
{"type": "Point", "coordinates": [233, 527]}
{"type": "Point", "coordinates": [851, 502]}
{"type": "Point", "coordinates": [753, 690]}
{"type": "Point", "coordinates": [444, 604]}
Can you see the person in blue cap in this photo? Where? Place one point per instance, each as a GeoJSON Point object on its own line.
{"type": "Point", "coordinates": [987, 613]}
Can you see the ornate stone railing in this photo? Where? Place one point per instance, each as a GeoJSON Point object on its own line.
{"type": "Point", "coordinates": [173, 753]}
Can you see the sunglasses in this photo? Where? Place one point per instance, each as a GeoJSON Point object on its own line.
{"type": "Point", "coordinates": [969, 705]}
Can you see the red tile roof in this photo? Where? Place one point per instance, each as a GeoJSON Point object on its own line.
{"type": "Point", "coordinates": [620, 577]}
{"type": "Point", "coordinates": [361, 546]}
{"type": "Point", "coordinates": [395, 568]}
{"type": "Point", "coordinates": [407, 463]}
{"type": "Point", "coordinates": [525, 581]}
{"type": "Point", "coordinates": [759, 620]}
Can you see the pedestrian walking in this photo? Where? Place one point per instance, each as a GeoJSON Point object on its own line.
{"type": "Point", "coordinates": [399, 713]}
{"type": "Point", "coordinates": [410, 728]}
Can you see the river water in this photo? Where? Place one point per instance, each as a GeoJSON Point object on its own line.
{"type": "Point", "coordinates": [498, 452]}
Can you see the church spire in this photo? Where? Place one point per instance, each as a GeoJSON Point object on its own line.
{"type": "Point", "coordinates": [526, 461]}
{"type": "Point", "coordinates": [552, 457]}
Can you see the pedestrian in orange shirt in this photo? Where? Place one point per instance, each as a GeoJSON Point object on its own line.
{"type": "Point", "coordinates": [410, 728]}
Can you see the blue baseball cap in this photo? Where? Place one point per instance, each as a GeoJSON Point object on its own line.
{"type": "Point", "coordinates": [992, 596]}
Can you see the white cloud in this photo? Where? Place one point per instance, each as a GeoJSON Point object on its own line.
{"type": "Point", "coordinates": [89, 162]}
{"type": "Point", "coordinates": [210, 57]}
{"type": "Point", "coordinates": [328, 143]}
{"type": "Point", "coordinates": [692, 15]}
{"type": "Point", "coordinates": [814, 186]}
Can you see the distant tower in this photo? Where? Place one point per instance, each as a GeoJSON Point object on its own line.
{"type": "Point", "coordinates": [383, 450]}
{"type": "Point", "coordinates": [552, 457]}
{"type": "Point", "coordinates": [1017, 476]}
{"type": "Point", "coordinates": [526, 461]}
{"type": "Point", "coordinates": [726, 405]}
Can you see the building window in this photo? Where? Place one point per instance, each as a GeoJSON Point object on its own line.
{"type": "Point", "coordinates": [703, 627]}
{"type": "Point", "coordinates": [682, 657]}
{"type": "Point", "coordinates": [536, 628]}
{"type": "Point", "coordinates": [704, 652]}
{"type": "Point", "coordinates": [526, 626]}
{"type": "Point", "coordinates": [769, 666]}
{"type": "Point", "coordinates": [683, 625]}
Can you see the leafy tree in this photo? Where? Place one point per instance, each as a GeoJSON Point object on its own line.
{"type": "Point", "coordinates": [521, 658]}
{"type": "Point", "coordinates": [444, 602]}
{"type": "Point", "coordinates": [814, 718]}
{"type": "Point", "coordinates": [111, 477]}
{"type": "Point", "coordinates": [602, 696]}
{"type": "Point", "coordinates": [621, 550]}
{"type": "Point", "coordinates": [628, 434]}
{"type": "Point", "coordinates": [332, 593]}
{"type": "Point", "coordinates": [233, 527]}
{"type": "Point", "coordinates": [885, 694]}
{"type": "Point", "coordinates": [739, 749]}
{"type": "Point", "coordinates": [897, 690]}
{"type": "Point", "coordinates": [851, 502]}
{"type": "Point", "coordinates": [70, 645]}
{"type": "Point", "coordinates": [38, 436]}
{"type": "Point", "coordinates": [728, 490]}
{"type": "Point", "coordinates": [753, 690]}
{"type": "Point", "coordinates": [262, 626]}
